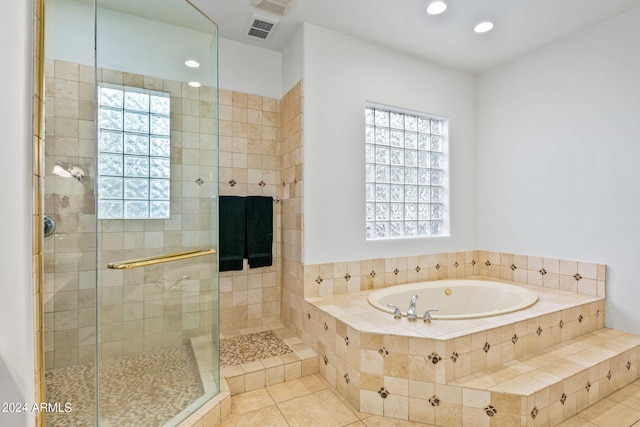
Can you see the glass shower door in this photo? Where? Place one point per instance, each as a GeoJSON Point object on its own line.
{"type": "Point", "coordinates": [156, 211]}
{"type": "Point", "coordinates": [131, 285]}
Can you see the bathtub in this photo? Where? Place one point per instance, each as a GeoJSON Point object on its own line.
{"type": "Point", "coordinates": [456, 299]}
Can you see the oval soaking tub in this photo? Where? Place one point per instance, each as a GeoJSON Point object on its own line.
{"type": "Point", "coordinates": [456, 299]}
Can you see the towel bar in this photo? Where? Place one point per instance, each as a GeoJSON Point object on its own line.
{"type": "Point", "coordinates": [159, 259]}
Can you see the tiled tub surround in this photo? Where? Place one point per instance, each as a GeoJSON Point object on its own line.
{"type": "Point", "coordinates": [538, 366]}
{"type": "Point", "coordinates": [552, 273]}
{"type": "Point", "coordinates": [508, 336]}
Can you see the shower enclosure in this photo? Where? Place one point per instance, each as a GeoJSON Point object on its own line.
{"type": "Point", "coordinates": [130, 285]}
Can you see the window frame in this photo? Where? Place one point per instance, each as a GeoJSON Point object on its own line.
{"type": "Point", "coordinates": [374, 191]}
{"type": "Point", "coordinates": [123, 139]}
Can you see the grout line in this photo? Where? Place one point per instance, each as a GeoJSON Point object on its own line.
{"type": "Point", "coordinates": [624, 404]}
{"type": "Point", "coordinates": [282, 414]}
{"type": "Point", "coordinates": [350, 406]}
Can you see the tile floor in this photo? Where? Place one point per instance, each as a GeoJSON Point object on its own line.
{"type": "Point", "coordinates": [311, 401]}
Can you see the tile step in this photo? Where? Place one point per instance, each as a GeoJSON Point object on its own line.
{"type": "Point", "coordinates": [523, 338]}
{"type": "Point", "coordinates": [553, 384]}
{"type": "Point", "coordinates": [465, 346]}
{"type": "Point", "coordinates": [263, 373]}
{"type": "Point", "coordinates": [302, 361]}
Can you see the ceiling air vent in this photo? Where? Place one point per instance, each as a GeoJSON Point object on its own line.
{"type": "Point", "coordinates": [261, 27]}
{"type": "Point", "coordinates": [279, 7]}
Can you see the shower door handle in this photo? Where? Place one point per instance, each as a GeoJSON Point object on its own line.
{"type": "Point", "coordinates": [159, 259]}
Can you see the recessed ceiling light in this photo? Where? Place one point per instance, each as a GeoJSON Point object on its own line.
{"type": "Point", "coordinates": [436, 7]}
{"type": "Point", "coordinates": [191, 63]}
{"type": "Point", "coordinates": [483, 27]}
{"type": "Point", "coordinates": [194, 84]}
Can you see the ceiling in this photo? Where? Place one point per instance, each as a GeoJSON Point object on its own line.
{"type": "Point", "coordinates": [520, 25]}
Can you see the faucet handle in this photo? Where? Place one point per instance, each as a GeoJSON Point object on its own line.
{"type": "Point", "coordinates": [427, 315]}
{"type": "Point", "coordinates": [396, 313]}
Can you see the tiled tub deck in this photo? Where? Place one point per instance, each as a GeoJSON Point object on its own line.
{"type": "Point", "coordinates": [534, 367]}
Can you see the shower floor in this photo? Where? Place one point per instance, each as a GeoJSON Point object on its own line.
{"type": "Point", "coordinates": [142, 390]}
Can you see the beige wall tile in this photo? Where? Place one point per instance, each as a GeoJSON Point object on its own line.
{"type": "Point", "coordinates": [396, 407]}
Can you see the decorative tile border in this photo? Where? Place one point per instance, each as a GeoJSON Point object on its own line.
{"type": "Point", "coordinates": [354, 276]}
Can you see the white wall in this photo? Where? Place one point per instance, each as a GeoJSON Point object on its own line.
{"type": "Point", "coordinates": [16, 328]}
{"type": "Point", "coordinates": [124, 44]}
{"type": "Point", "coordinates": [250, 69]}
{"type": "Point", "coordinates": [127, 43]}
{"type": "Point", "coordinates": [293, 61]}
{"type": "Point", "coordinates": [558, 156]}
{"type": "Point", "coordinates": [341, 73]}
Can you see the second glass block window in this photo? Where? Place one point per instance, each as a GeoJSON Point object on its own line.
{"type": "Point", "coordinates": [406, 160]}
{"type": "Point", "coordinates": [134, 147]}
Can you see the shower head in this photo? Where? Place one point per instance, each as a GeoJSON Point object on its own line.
{"type": "Point", "coordinates": [70, 171]}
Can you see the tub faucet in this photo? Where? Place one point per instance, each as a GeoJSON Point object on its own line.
{"type": "Point", "coordinates": [411, 312]}
{"type": "Point", "coordinates": [427, 315]}
{"type": "Point", "coordinates": [396, 313]}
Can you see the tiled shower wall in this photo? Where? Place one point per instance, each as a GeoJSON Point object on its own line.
{"type": "Point", "coordinates": [250, 165]}
{"type": "Point", "coordinates": [146, 308]}
{"type": "Point", "coordinates": [292, 215]}
{"type": "Point", "coordinates": [261, 154]}
{"type": "Point", "coordinates": [64, 202]}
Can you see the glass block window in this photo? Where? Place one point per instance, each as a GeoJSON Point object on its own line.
{"type": "Point", "coordinates": [406, 163]}
{"type": "Point", "coordinates": [133, 153]}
